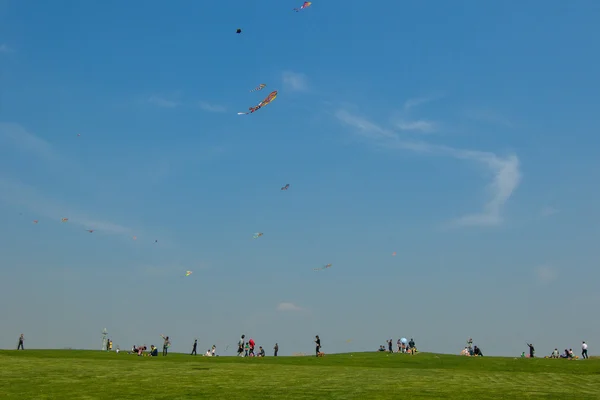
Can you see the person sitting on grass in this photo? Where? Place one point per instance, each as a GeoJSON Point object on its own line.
{"type": "Point", "coordinates": [153, 351]}
{"type": "Point", "coordinates": [381, 348]}
{"type": "Point", "coordinates": [477, 352]}
{"type": "Point", "coordinates": [261, 352]}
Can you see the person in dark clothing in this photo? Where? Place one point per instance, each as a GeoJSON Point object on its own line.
{"type": "Point", "coordinates": [318, 343]}
{"type": "Point", "coordinates": [411, 346]}
{"type": "Point", "coordinates": [390, 346]}
{"type": "Point", "coordinates": [531, 350]}
{"type": "Point", "coordinates": [275, 349]}
{"type": "Point", "coordinates": [477, 351]}
{"type": "Point", "coordinates": [21, 341]}
{"type": "Point", "coordinates": [194, 348]}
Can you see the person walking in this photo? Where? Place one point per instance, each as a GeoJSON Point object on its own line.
{"type": "Point", "coordinates": [583, 350]}
{"type": "Point", "coordinates": [194, 348]}
{"type": "Point", "coordinates": [21, 341]}
{"type": "Point", "coordinates": [318, 343]}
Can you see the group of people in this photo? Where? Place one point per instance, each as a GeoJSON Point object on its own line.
{"type": "Point", "coordinates": [569, 354]}
{"type": "Point", "coordinates": [246, 348]}
{"type": "Point", "coordinates": [402, 346]}
{"type": "Point", "coordinates": [212, 352]}
{"type": "Point", "coordinates": [470, 350]}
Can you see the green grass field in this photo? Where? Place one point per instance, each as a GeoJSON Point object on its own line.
{"type": "Point", "coordinates": [71, 374]}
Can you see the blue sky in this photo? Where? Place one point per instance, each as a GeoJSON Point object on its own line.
{"type": "Point", "coordinates": [462, 135]}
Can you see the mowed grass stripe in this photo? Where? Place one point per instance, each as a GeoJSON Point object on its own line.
{"type": "Point", "coordinates": [95, 375]}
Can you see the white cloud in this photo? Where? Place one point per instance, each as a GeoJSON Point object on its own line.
{"type": "Point", "coordinates": [417, 101]}
{"type": "Point", "coordinates": [295, 81]}
{"type": "Point", "coordinates": [162, 102]}
{"type": "Point", "coordinates": [548, 211]}
{"type": "Point", "coordinates": [546, 274]}
{"type": "Point", "coordinates": [19, 137]}
{"type": "Point", "coordinates": [421, 126]}
{"type": "Point", "coordinates": [4, 48]}
{"type": "Point", "coordinates": [211, 107]}
{"type": "Point", "coordinates": [505, 170]}
{"type": "Point", "coordinates": [288, 307]}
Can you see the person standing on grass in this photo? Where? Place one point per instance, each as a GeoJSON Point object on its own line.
{"type": "Point", "coordinates": [583, 350]}
{"type": "Point", "coordinates": [241, 346]}
{"type": "Point", "coordinates": [275, 349]}
{"type": "Point", "coordinates": [194, 348]}
{"type": "Point", "coordinates": [318, 343]}
{"type": "Point", "coordinates": [531, 350]}
{"type": "Point", "coordinates": [166, 345]}
{"type": "Point", "coordinates": [22, 340]}
{"type": "Point", "coordinates": [411, 346]}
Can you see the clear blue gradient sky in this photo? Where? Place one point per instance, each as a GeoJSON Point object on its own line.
{"type": "Point", "coordinates": [462, 135]}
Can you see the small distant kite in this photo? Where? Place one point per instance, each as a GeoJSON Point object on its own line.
{"type": "Point", "coordinates": [394, 253]}
{"type": "Point", "coordinates": [35, 221]}
{"type": "Point", "coordinates": [305, 5]}
{"type": "Point", "coordinates": [90, 230]}
{"type": "Point", "coordinates": [79, 134]}
{"type": "Point", "coordinates": [188, 273]}
{"type": "Point", "coordinates": [263, 103]}
{"type": "Point", "coordinates": [259, 87]}
{"type": "Point", "coordinates": [64, 219]}
{"type": "Point", "coordinates": [286, 187]}
{"type": "Point", "coordinates": [135, 238]}
{"type": "Point", "coordinates": [257, 235]}
{"type": "Point", "coordinates": [238, 30]}
{"type": "Point", "coordinates": [322, 268]}
{"type": "Point", "coordinates": [156, 241]}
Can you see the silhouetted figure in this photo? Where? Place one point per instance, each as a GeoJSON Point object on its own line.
{"type": "Point", "coordinates": [194, 348]}
{"type": "Point", "coordinates": [22, 340]}
{"type": "Point", "coordinates": [275, 349]}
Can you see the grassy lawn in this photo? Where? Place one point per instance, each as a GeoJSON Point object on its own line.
{"type": "Point", "coordinates": [70, 374]}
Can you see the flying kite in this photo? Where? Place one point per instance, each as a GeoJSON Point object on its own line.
{"type": "Point", "coordinates": [257, 235]}
{"type": "Point", "coordinates": [79, 134]}
{"type": "Point", "coordinates": [188, 273]}
{"type": "Point", "coordinates": [238, 31]}
{"type": "Point", "coordinates": [135, 238]}
{"type": "Point", "coordinates": [263, 103]}
{"type": "Point", "coordinates": [322, 268]}
{"type": "Point", "coordinates": [90, 230]}
{"type": "Point", "coordinates": [35, 221]}
{"type": "Point", "coordinates": [394, 253]}
{"type": "Point", "coordinates": [259, 87]}
{"type": "Point", "coordinates": [64, 219]}
{"type": "Point", "coordinates": [305, 5]}
{"type": "Point", "coordinates": [286, 187]}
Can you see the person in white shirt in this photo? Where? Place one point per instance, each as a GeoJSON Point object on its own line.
{"type": "Point", "coordinates": [584, 350]}
{"type": "Point", "coordinates": [207, 353]}
{"type": "Point", "coordinates": [214, 349]}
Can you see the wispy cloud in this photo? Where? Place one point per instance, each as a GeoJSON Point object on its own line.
{"type": "Point", "coordinates": [4, 48]}
{"type": "Point", "coordinates": [505, 170]}
{"type": "Point", "coordinates": [294, 81]}
{"type": "Point", "coordinates": [420, 126]}
{"type": "Point", "coordinates": [546, 274]}
{"type": "Point", "coordinates": [162, 102]}
{"type": "Point", "coordinates": [548, 211]}
{"type": "Point", "coordinates": [17, 193]}
{"type": "Point", "coordinates": [417, 101]}
{"type": "Point", "coordinates": [211, 107]}
{"type": "Point", "coordinates": [19, 137]}
{"type": "Point", "coordinates": [288, 307]}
